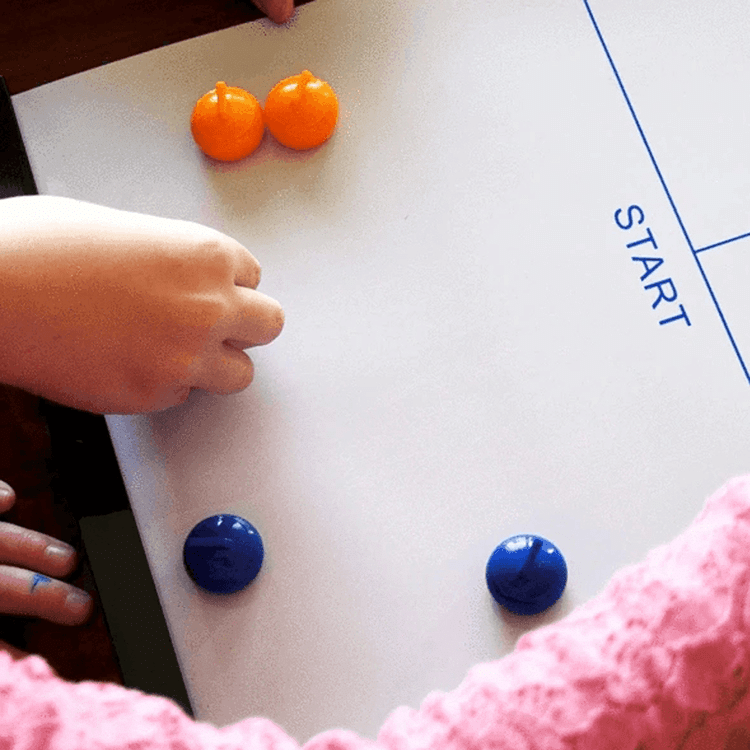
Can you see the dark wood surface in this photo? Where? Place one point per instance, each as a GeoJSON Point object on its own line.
{"type": "Point", "coordinates": [43, 41]}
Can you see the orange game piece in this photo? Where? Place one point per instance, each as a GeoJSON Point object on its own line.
{"type": "Point", "coordinates": [301, 111]}
{"type": "Point", "coordinates": [227, 123]}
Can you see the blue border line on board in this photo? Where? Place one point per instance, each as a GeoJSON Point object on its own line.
{"type": "Point", "coordinates": [723, 242]}
{"type": "Point", "coordinates": [666, 189]}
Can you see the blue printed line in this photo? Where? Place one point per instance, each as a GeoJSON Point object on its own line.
{"type": "Point", "coordinates": [638, 125]}
{"type": "Point", "coordinates": [666, 190]}
{"type": "Point", "coordinates": [723, 242]}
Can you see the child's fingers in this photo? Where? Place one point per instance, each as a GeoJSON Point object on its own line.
{"type": "Point", "coordinates": [228, 371]}
{"type": "Point", "coordinates": [29, 563]}
{"type": "Point", "coordinates": [7, 497]}
{"type": "Point", "coordinates": [36, 594]}
{"type": "Point", "coordinates": [29, 594]}
{"type": "Point", "coordinates": [248, 269]}
{"type": "Point", "coordinates": [259, 320]}
{"type": "Point", "coordinates": [224, 367]}
{"type": "Point", "coordinates": [35, 551]}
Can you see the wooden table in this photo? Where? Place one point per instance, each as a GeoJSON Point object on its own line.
{"type": "Point", "coordinates": [43, 41]}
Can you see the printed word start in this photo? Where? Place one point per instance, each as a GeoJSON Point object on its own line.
{"type": "Point", "coordinates": [654, 280]}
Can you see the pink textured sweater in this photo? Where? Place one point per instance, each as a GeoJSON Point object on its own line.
{"type": "Point", "coordinates": [659, 660]}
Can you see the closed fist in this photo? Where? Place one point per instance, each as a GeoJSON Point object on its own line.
{"type": "Point", "coordinates": [116, 312]}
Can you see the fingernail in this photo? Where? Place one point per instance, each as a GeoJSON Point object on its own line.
{"type": "Point", "coordinates": [59, 552]}
{"type": "Point", "coordinates": [5, 491]}
{"type": "Point", "coordinates": [77, 601]}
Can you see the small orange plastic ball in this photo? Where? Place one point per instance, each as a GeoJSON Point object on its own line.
{"type": "Point", "coordinates": [227, 123]}
{"type": "Point", "coordinates": [301, 111]}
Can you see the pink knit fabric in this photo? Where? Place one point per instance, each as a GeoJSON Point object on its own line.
{"type": "Point", "coordinates": [659, 660]}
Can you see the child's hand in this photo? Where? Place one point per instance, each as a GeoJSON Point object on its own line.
{"type": "Point", "coordinates": [28, 571]}
{"type": "Point", "coordinates": [117, 312]}
{"type": "Point", "coordinates": [279, 11]}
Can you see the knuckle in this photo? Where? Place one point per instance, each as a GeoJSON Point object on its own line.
{"type": "Point", "coordinates": [216, 255]}
{"type": "Point", "coordinates": [217, 306]}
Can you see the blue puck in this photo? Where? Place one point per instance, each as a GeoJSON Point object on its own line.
{"type": "Point", "coordinates": [223, 553]}
{"type": "Point", "coordinates": [526, 574]}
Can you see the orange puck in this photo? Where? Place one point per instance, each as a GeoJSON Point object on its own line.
{"type": "Point", "coordinates": [301, 111]}
{"type": "Point", "coordinates": [227, 123]}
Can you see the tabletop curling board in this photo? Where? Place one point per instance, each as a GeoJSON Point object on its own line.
{"type": "Point", "coordinates": [516, 293]}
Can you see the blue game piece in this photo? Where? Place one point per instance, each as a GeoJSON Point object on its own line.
{"type": "Point", "coordinates": [526, 574]}
{"type": "Point", "coordinates": [223, 553]}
